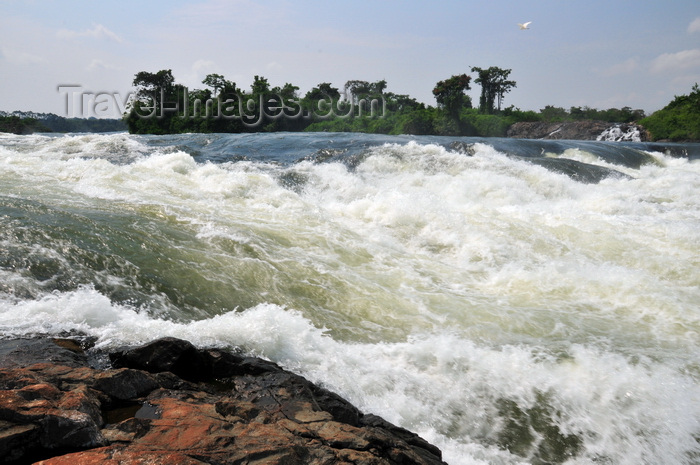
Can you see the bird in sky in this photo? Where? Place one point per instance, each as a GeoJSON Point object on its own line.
{"type": "Point", "coordinates": [525, 25]}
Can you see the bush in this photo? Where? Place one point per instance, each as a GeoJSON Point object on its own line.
{"type": "Point", "coordinates": [489, 125]}
{"type": "Point", "coordinates": [677, 121]}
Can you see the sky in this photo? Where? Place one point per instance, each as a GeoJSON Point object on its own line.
{"type": "Point", "coordinates": [594, 53]}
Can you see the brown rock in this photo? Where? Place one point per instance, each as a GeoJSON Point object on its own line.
{"type": "Point", "coordinates": [125, 383]}
{"type": "Point", "coordinates": [254, 413]}
{"type": "Point", "coordinates": [14, 439]}
{"type": "Point", "coordinates": [121, 455]}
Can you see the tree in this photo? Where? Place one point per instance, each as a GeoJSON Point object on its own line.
{"type": "Point", "coordinates": [355, 89]}
{"type": "Point", "coordinates": [552, 113]}
{"type": "Point", "coordinates": [450, 94]}
{"type": "Point", "coordinates": [288, 91]}
{"type": "Point", "coordinates": [260, 85]}
{"type": "Point", "coordinates": [163, 79]}
{"type": "Point", "coordinates": [323, 91]}
{"type": "Point", "coordinates": [377, 88]}
{"type": "Point", "coordinates": [215, 81]}
{"type": "Point", "coordinates": [229, 91]}
{"type": "Point", "coordinates": [677, 121]}
{"type": "Point", "coordinates": [149, 86]}
{"type": "Point", "coordinates": [401, 102]}
{"type": "Point", "coordinates": [158, 99]}
{"type": "Point", "coordinates": [494, 85]}
{"type": "Point", "coordinates": [363, 89]}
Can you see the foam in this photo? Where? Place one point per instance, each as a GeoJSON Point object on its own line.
{"type": "Point", "coordinates": [436, 289]}
{"type": "Point", "coordinates": [628, 410]}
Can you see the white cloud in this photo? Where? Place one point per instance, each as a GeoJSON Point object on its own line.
{"type": "Point", "coordinates": [625, 67]}
{"type": "Point", "coordinates": [694, 25]}
{"type": "Point", "coordinates": [98, 31]}
{"type": "Point", "coordinates": [21, 58]}
{"type": "Point", "coordinates": [197, 72]}
{"type": "Point", "coordinates": [676, 61]}
{"type": "Point", "coordinates": [97, 64]}
{"type": "Point", "coordinates": [200, 67]}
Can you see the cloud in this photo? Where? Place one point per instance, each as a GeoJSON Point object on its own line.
{"type": "Point", "coordinates": [226, 15]}
{"type": "Point", "coordinates": [199, 67]}
{"type": "Point", "coordinates": [625, 67]}
{"type": "Point", "coordinates": [196, 73]}
{"type": "Point", "coordinates": [21, 58]}
{"type": "Point", "coordinates": [97, 64]}
{"type": "Point", "coordinates": [98, 31]}
{"type": "Point", "coordinates": [676, 61]}
{"type": "Point", "coordinates": [694, 25]}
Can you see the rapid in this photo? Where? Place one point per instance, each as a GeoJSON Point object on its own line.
{"type": "Point", "coordinates": [511, 301]}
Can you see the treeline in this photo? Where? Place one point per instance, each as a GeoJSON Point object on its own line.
{"type": "Point", "coordinates": [162, 106]}
{"type": "Point", "coordinates": [27, 122]}
{"type": "Point", "coordinates": [18, 125]}
{"type": "Point", "coordinates": [677, 121]}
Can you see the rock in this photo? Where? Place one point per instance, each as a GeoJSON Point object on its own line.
{"type": "Point", "coordinates": [121, 455]}
{"type": "Point", "coordinates": [574, 130]}
{"type": "Point", "coordinates": [24, 352]}
{"type": "Point", "coordinates": [228, 409]}
{"type": "Point", "coordinates": [169, 354]}
{"type": "Point", "coordinates": [61, 419]}
{"type": "Point", "coordinates": [125, 383]}
{"type": "Point", "coordinates": [14, 440]}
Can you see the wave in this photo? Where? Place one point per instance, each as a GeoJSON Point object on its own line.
{"type": "Point", "coordinates": [503, 310]}
{"type": "Point", "coordinates": [469, 398]}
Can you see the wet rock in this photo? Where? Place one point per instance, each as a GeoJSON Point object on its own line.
{"type": "Point", "coordinates": [125, 383]}
{"type": "Point", "coordinates": [24, 352]}
{"type": "Point", "coordinates": [229, 409]}
{"type": "Point", "coordinates": [15, 439]}
{"type": "Point", "coordinates": [56, 419]}
{"type": "Point", "coordinates": [167, 354]}
{"type": "Point", "coordinates": [122, 455]}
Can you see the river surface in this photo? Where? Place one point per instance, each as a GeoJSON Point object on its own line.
{"type": "Point", "coordinates": [511, 301]}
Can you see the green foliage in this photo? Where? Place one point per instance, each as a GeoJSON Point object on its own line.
{"type": "Point", "coordinates": [162, 106]}
{"type": "Point", "coordinates": [215, 81]}
{"type": "Point", "coordinates": [553, 114]}
{"type": "Point", "coordinates": [677, 121]}
{"type": "Point", "coordinates": [446, 126]}
{"type": "Point", "coordinates": [612, 115]}
{"type": "Point", "coordinates": [16, 125]}
{"type": "Point", "coordinates": [324, 91]}
{"type": "Point", "coordinates": [450, 94]}
{"type": "Point", "coordinates": [494, 85]}
{"type": "Point", "coordinates": [29, 122]}
{"type": "Point", "coordinates": [153, 87]}
{"type": "Point", "coordinates": [623, 115]}
{"type": "Point", "coordinates": [417, 122]}
{"type": "Point", "coordinates": [488, 125]}
{"type": "Point", "coordinates": [518, 115]}
{"type": "Point", "coordinates": [359, 90]}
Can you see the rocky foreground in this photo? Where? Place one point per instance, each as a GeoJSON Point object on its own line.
{"type": "Point", "coordinates": [168, 402]}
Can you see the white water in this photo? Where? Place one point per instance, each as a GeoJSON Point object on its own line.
{"type": "Point", "coordinates": [434, 289]}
